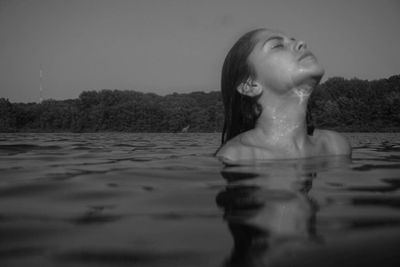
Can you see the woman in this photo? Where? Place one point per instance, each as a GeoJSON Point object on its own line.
{"type": "Point", "coordinates": [267, 79]}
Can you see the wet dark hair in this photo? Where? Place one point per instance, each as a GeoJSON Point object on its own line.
{"type": "Point", "coordinates": [241, 111]}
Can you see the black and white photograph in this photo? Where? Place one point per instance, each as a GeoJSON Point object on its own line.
{"type": "Point", "coordinates": [199, 133]}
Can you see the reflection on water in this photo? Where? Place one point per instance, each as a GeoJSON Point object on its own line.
{"type": "Point", "coordinates": [114, 199]}
{"type": "Point", "coordinates": [268, 211]}
{"type": "Point", "coordinates": [273, 218]}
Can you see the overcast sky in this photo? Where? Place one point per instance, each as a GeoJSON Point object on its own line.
{"type": "Point", "coordinates": [166, 46]}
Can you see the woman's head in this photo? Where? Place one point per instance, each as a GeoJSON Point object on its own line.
{"type": "Point", "coordinates": [261, 60]}
{"type": "Point", "coordinates": [282, 64]}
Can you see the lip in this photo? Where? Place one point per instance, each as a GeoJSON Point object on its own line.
{"type": "Point", "coordinates": [306, 55]}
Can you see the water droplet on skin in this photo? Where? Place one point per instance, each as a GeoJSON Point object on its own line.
{"type": "Point", "coordinates": [302, 94]}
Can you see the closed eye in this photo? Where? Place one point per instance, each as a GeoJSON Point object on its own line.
{"type": "Point", "coordinates": [276, 39]}
{"type": "Point", "coordinates": [278, 45]}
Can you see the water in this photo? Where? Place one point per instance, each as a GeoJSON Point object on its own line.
{"type": "Point", "coordinates": [112, 199]}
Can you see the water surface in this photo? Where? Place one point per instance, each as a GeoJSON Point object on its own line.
{"type": "Point", "coordinates": [162, 200]}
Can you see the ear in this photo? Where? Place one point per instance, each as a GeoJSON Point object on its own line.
{"type": "Point", "coordinates": [250, 88]}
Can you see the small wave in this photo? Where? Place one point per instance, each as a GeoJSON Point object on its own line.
{"type": "Point", "coordinates": [373, 223]}
{"type": "Point", "coordinates": [20, 252]}
{"type": "Point", "coordinates": [368, 167]}
{"type": "Point", "coordinates": [124, 145]}
{"type": "Point", "coordinates": [23, 148]}
{"type": "Point", "coordinates": [28, 190]}
{"type": "Point", "coordinates": [386, 201]}
{"type": "Point", "coordinates": [391, 185]}
{"type": "Point", "coordinates": [93, 195]}
{"type": "Point", "coordinates": [95, 218]}
{"type": "Point", "coordinates": [125, 256]}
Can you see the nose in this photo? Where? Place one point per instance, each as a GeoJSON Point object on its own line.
{"type": "Point", "coordinates": [300, 45]}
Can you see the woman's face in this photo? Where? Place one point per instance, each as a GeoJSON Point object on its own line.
{"type": "Point", "coordinates": [282, 63]}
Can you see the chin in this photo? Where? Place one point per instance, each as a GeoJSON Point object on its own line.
{"type": "Point", "coordinates": [311, 75]}
{"type": "Point", "coordinates": [319, 71]}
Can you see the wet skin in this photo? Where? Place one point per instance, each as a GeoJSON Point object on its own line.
{"type": "Point", "coordinates": [286, 73]}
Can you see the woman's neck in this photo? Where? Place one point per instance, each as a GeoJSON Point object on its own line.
{"type": "Point", "coordinates": [283, 119]}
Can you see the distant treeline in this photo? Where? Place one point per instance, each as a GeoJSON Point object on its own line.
{"type": "Point", "coordinates": [338, 103]}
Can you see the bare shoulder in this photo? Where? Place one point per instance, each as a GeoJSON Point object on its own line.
{"type": "Point", "coordinates": [234, 150]}
{"type": "Point", "coordinates": [334, 142]}
{"type": "Point", "coordinates": [240, 149]}
{"type": "Point", "coordinates": [230, 151]}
